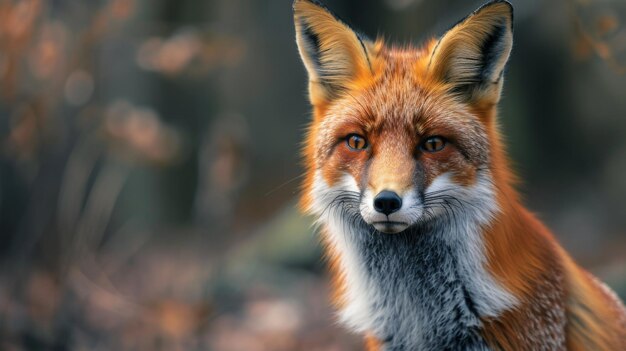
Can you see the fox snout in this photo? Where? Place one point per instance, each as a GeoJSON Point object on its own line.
{"type": "Point", "coordinates": [389, 211]}
{"type": "Point", "coordinates": [390, 201]}
{"type": "Point", "coordinates": [387, 202]}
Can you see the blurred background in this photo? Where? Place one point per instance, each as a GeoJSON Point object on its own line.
{"type": "Point", "coordinates": [149, 163]}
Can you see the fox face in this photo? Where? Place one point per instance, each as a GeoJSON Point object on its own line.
{"type": "Point", "coordinates": [402, 136]}
{"type": "Point", "coordinates": [398, 152]}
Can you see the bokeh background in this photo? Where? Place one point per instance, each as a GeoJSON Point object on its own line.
{"type": "Point", "coordinates": [149, 163]}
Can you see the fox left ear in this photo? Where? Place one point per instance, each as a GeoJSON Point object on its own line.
{"type": "Point", "coordinates": [334, 55]}
{"type": "Point", "coordinates": [472, 55]}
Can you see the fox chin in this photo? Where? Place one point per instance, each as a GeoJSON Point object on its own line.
{"type": "Point", "coordinates": [428, 243]}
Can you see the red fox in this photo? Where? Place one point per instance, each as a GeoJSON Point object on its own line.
{"type": "Point", "coordinates": [428, 242]}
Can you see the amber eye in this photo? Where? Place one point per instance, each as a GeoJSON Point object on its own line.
{"type": "Point", "coordinates": [356, 142]}
{"type": "Point", "coordinates": [433, 144]}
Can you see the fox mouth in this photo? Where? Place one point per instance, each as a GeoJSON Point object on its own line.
{"type": "Point", "coordinates": [390, 227]}
{"type": "Point", "coordinates": [390, 223]}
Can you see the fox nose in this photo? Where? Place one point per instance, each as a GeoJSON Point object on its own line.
{"type": "Point", "coordinates": [387, 202]}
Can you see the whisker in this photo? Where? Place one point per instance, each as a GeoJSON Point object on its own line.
{"type": "Point", "coordinates": [284, 184]}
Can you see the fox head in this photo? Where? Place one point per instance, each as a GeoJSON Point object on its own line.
{"type": "Point", "coordinates": [402, 136]}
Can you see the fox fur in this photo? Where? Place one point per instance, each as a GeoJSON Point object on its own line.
{"type": "Point", "coordinates": [461, 264]}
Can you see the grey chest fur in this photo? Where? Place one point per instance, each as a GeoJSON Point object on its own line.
{"type": "Point", "coordinates": [417, 296]}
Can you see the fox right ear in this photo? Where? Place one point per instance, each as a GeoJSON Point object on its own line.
{"type": "Point", "coordinates": [471, 56]}
{"type": "Point", "coordinates": [333, 54]}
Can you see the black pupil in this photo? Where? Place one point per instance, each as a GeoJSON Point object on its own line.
{"type": "Point", "coordinates": [433, 144]}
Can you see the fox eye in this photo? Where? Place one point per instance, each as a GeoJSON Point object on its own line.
{"type": "Point", "coordinates": [356, 142]}
{"type": "Point", "coordinates": [433, 144]}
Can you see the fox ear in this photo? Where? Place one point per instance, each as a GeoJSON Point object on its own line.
{"type": "Point", "coordinates": [333, 54]}
{"type": "Point", "coordinates": [471, 56]}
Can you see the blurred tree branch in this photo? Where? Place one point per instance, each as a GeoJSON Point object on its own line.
{"type": "Point", "coordinates": [599, 29]}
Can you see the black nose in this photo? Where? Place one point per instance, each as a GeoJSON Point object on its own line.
{"type": "Point", "coordinates": [387, 202]}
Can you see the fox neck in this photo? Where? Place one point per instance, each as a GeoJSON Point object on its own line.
{"type": "Point", "coordinates": [430, 285]}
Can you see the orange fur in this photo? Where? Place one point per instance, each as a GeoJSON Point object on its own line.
{"type": "Point", "coordinates": [371, 344]}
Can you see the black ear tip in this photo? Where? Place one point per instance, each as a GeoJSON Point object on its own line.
{"type": "Point", "coordinates": [502, 3]}
{"type": "Point", "coordinates": [506, 2]}
{"type": "Point", "coordinates": [499, 3]}
{"type": "Point", "coordinates": [510, 6]}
